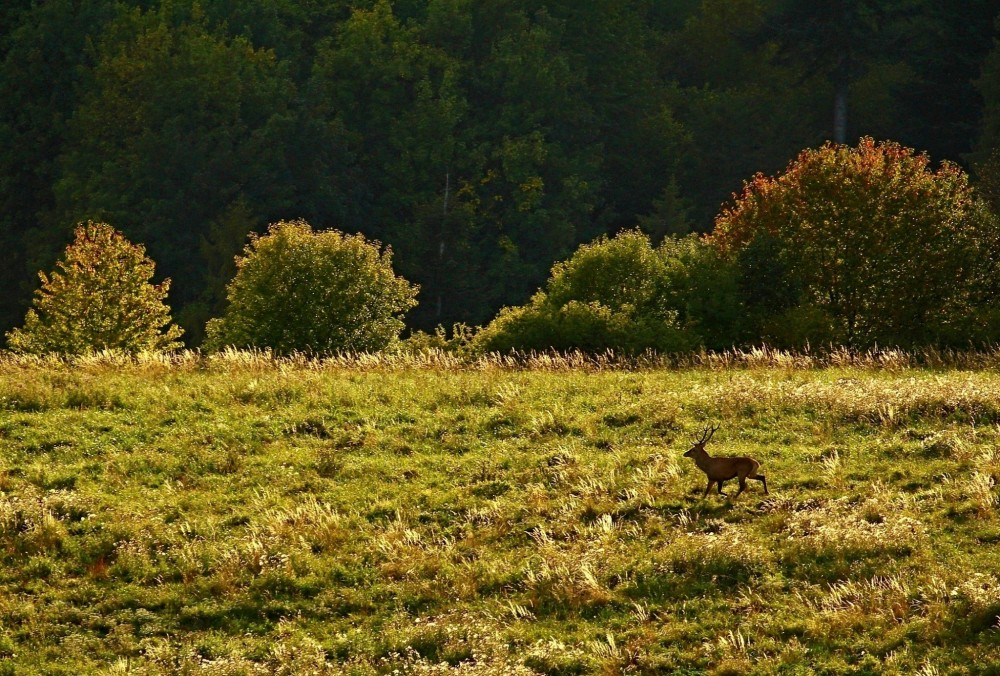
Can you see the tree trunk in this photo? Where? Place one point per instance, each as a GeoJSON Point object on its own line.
{"type": "Point", "coordinates": [444, 219]}
{"type": "Point", "coordinates": [841, 85]}
{"type": "Point", "coordinates": [840, 111]}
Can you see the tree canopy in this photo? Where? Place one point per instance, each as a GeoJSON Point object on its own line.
{"type": "Point", "coordinates": [317, 292]}
{"type": "Point", "coordinates": [888, 249]}
{"type": "Point", "coordinates": [99, 298]}
{"type": "Point", "coordinates": [625, 295]}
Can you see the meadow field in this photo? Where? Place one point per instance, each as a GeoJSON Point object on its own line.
{"type": "Point", "coordinates": [244, 515]}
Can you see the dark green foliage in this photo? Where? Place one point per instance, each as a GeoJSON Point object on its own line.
{"type": "Point", "coordinates": [481, 140]}
{"type": "Point", "coordinates": [622, 294]}
{"type": "Point", "coordinates": [398, 97]}
{"type": "Point", "coordinates": [100, 298]}
{"type": "Point", "coordinates": [987, 175]}
{"type": "Point", "coordinates": [316, 292]}
{"type": "Point", "coordinates": [772, 294]}
{"type": "Point", "coordinates": [43, 49]}
{"type": "Point", "coordinates": [987, 131]}
{"type": "Point", "coordinates": [842, 42]}
{"type": "Point", "coordinates": [704, 288]}
{"type": "Point", "coordinates": [944, 50]}
{"type": "Point", "coordinates": [670, 216]}
{"type": "Point", "coordinates": [178, 127]}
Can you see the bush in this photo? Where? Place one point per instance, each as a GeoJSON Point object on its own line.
{"type": "Point", "coordinates": [100, 298]}
{"type": "Point", "coordinates": [458, 342]}
{"type": "Point", "coordinates": [299, 290]}
{"type": "Point", "coordinates": [703, 287]}
{"type": "Point", "coordinates": [625, 295]}
{"type": "Point", "coordinates": [869, 246]}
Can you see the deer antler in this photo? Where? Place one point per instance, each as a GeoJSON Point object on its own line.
{"type": "Point", "coordinates": [711, 433]}
{"type": "Point", "coordinates": [706, 434]}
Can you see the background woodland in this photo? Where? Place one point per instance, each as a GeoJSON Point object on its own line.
{"type": "Point", "coordinates": [483, 141]}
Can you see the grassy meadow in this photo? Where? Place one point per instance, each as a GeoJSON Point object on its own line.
{"type": "Point", "coordinates": [242, 515]}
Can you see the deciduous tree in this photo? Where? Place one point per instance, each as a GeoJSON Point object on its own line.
{"type": "Point", "coordinates": [99, 298]}
{"type": "Point", "coordinates": [320, 292]}
{"type": "Point", "coordinates": [891, 250]}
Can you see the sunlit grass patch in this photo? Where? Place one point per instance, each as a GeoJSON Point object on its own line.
{"type": "Point", "coordinates": [430, 514]}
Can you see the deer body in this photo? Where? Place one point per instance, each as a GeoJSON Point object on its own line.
{"type": "Point", "coordinates": [720, 469]}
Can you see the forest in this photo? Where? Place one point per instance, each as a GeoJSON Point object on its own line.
{"type": "Point", "coordinates": [481, 140]}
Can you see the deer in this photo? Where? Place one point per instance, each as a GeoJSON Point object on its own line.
{"type": "Point", "coordinates": [721, 468]}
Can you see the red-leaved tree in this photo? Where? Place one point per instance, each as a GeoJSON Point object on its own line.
{"type": "Point", "coordinates": [881, 247]}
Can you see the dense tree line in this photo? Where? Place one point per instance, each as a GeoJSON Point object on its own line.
{"type": "Point", "coordinates": [483, 140]}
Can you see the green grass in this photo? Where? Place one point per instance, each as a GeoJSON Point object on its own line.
{"type": "Point", "coordinates": [239, 515]}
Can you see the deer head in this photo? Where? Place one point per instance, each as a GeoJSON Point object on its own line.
{"type": "Point", "coordinates": [699, 443]}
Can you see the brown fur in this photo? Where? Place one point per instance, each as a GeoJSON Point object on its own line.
{"type": "Point", "coordinates": [720, 469]}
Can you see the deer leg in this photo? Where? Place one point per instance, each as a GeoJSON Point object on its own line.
{"type": "Point", "coordinates": [707, 488]}
{"type": "Point", "coordinates": [763, 479]}
{"type": "Point", "coordinates": [743, 486]}
{"type": "Point", "coordinates": [720, 487]}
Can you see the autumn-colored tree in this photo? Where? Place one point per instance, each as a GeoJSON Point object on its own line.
{"type": "Point", "coordinates": [299, 290]}
{"type": "Point", "coordinates": [882, 248]}
{"type": "Point", "coordinates": [100, 298]}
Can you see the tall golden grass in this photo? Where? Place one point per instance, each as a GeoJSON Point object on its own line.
{"type": "Point", "coordinates": [434, 358]}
